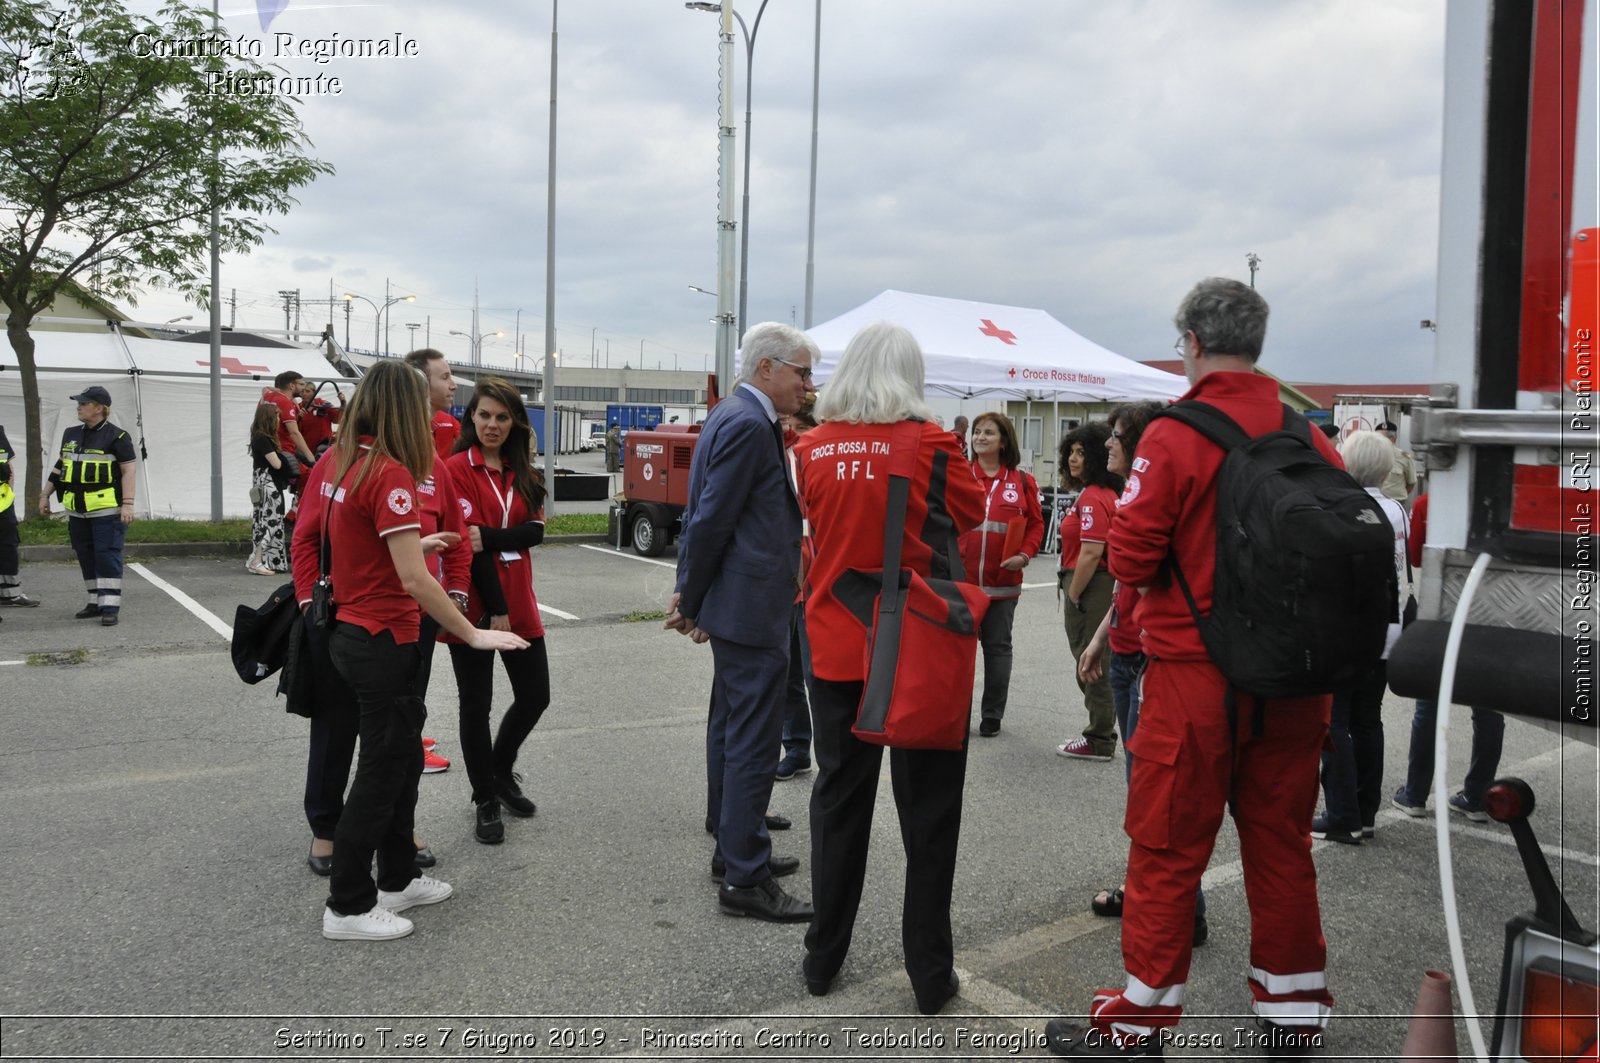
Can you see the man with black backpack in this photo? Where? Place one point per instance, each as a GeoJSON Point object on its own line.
{"type": "Point", "coordinates": [1233, 527]}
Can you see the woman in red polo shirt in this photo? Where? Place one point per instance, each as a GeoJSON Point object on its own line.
{"type": "Point", "coordinates": [502, 499]}
{"type": "Point", "coordinates": [996, 551]}
{"type": "Point", "coordinates": [371, 526]}
{"type": "Point", "coordinates": [1087, 582]}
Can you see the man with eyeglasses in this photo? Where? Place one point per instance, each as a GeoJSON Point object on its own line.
{"type": "Point", "coordinates": [738, 569]}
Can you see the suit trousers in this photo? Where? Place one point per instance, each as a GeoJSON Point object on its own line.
{"type": "Point", "coordinates": [744, 730]}
{"type": "Point", "coordinates": [380, 812]}
{"type": "Point", "coordinates": [529, 671]}
{"type": "Point", "coordinates": [927, 795]}
{"type": "Point", "coordinates": [797, 710]}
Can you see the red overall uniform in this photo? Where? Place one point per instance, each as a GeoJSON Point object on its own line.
{"type": "Point", "coordinates": [1010, 496]}
{"type": "Point", "coordinates": [1188, 761]}
{"type": "Point", "coordinates": [488, 500]}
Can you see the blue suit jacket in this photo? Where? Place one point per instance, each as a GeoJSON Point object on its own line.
{"type": "Point", "coordinates": [739, 551]}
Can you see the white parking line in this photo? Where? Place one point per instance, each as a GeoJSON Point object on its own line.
{"type": "Point", "coordinates": [555, 612]}
{"type": "Point", "coordinates": [631, 557]}
{"type": "Point", "coordinates": [206, 616]}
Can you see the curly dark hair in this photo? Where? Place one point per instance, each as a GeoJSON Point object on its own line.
{"type": "Point", "coordinates": [1136, 417]}
{"type": "Point", "coordinates": [1092, 437]}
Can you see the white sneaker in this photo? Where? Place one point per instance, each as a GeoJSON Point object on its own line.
{"type": "Point", "coordinates": [423, 890]}
{"type": "Point", "coordinates": [380, 924]}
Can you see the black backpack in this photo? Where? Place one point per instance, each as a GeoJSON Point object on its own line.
{"type": "Point", "coordinates": [1305, 582]}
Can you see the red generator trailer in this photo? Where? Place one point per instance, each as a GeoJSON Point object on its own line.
{"type": "Point", "coordinates": [655, 487]}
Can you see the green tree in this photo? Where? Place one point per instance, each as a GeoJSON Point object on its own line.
{"type": "Point", "coordinates": [113, 153]}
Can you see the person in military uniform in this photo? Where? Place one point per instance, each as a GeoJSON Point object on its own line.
{"type": "Point", "coordinates": [10, 542]}
{"type": "Point", "coordinates": [94, 479]}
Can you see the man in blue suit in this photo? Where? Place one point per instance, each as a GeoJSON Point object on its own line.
{"type": "Point", "coordinates": [738, 571]}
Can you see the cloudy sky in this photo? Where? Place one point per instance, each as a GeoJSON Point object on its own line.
{"type": "Point", "coordinates": [1089, 157]}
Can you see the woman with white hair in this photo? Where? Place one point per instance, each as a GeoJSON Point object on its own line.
{"type": "Point", "coordinates": [873, 400]}
{"type": "Point", "coordinates": [1352, 769]}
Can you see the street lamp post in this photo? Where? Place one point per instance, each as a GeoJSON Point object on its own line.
{"type": "Point", "coordinates": [475, 342]}
{"type": "Point", "coordinates": [380, 315]}
{"type": "Point", "coordinates": [1252, 260]}
{"type": "Point", "coordinates": [744, 192]}
{"type": "Point", "coordinates": [411, 329]}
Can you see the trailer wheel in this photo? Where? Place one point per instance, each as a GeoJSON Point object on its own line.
{"type": "Point", "coordinates": [648, 539]}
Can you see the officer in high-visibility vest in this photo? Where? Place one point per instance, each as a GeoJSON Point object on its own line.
{"type": "Point", "coordinates": [95, 481]}
{"type": "Point", "coordinates": [10, 555]}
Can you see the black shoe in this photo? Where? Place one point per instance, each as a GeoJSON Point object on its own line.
{"type": "Point", "coordinates": [932, 1005]}
{"type": "Point", "coordinates": [989, 727]}
{"type": "Point", "coordinates": [778, 822]}
{"type": "Point", "coordinates": [490, 830]}
{"type": "Point", "coordinates": [320, 865]}
{"type": "Point", "coordinates": [512, 797]}
{"type": "Point", "coordinates": [1066, 1038]}
{"type": "Point", "coordinates": [778, 865]}
{"type": "Point", "coordinates": [765, 900]}
{"type": "Point", "coordinates": [816, 984]}
{"type": "Point", "coordinates": [86, 612]}
{"type": "Point", "coordinates": [1325, 831]}
{"type": "Point", "coordinates": [1202, 930]}
{"type": "Point", "coordinates": [789, 767]}
{"type": "Point", "coordinates": [425, 857]}
{"type": "Point", "coordinates": [108, 619]}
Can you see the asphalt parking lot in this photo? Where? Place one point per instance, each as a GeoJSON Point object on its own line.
{"type": "Point", "coordinates": [159, 904]}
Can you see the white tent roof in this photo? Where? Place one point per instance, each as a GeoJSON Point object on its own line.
{"type": "Point", "coordinates": [973, 349]}
{"type": "Point", "coordinates": [161, 396]}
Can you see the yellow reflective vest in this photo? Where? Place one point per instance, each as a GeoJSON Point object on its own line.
{"type": "Point", "coordinates": [90, 480]}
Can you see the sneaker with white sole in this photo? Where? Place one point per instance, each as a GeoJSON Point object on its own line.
{"type": "Point", "coordinates": [422, 890]}
{"type": "Point", "coordinates": [1403, 801]}
{"type": "Point", "coordinates": [433, 763]}
{"type": "Point", "coordinates": [1461, 805]}
{"type": "Point", "coordinates": [428, 743]}
{"type": "Point", "coordinates": [379, 924]}
{"type": "Point", "coordinates": [1080, 749]}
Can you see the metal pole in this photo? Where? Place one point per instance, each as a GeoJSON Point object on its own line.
{"type": "Point", "coordinates": [216, 331]}
{"type": "Point", "coordinates": [727, 341]}
{"type": "Point", "coordinates": [811, 213]}
{"type": "Point", "coordinates": [744, 191]}
{"type": "Point", "coordinates": [550, 289]}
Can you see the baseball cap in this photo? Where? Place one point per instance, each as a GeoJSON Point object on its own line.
{"type": "Point", "coordinates": [94, 394]}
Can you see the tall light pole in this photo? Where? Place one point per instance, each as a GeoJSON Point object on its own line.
{"type": "Point", "coordinates": [749, 33]}
{"type": "Point", "coordinates": [550, 287]}
{"type": "Point", "coordinates": [475, 341]}
{"type": "Point", "coordinates": [380, 314]}
{"type": "Point", "coordinates": [1253, 260]}
{"type": "Point", "coordinates": [811, 211]}
{"type": "Point", "coordinates": [411, 328]}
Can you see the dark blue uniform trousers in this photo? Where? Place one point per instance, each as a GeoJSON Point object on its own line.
{"type": "Point", "coordinates": [747, 701]}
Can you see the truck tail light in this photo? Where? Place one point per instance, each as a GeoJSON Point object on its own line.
{"type": "Point", "coordinates": [1560, 1016]}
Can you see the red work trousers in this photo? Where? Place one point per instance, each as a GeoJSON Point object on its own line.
{"type": "Point", "coordinates": [1189, 763]}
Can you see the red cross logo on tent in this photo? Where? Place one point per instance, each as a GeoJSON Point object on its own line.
{"type": "Point", "coordinates": [991, 329]}
{"type": "Point", "coordinates": [1012, 372]}
{"type": "Point", "coordinates": [233, 365]}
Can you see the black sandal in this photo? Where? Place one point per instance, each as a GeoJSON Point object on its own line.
{"type": "Point", "coordinates": [1108, 902]}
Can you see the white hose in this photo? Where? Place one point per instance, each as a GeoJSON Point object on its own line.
{"type": "Point", "coordinates": [1441, 808]}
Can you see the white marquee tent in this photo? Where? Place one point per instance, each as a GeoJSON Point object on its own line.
{"type": "Point", "coordinates": [976, 350]}
{"type": "Point", "coordinates": [161, 395]}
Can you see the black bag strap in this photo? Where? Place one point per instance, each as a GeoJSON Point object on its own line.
{"type": "Point", "coordinates": [902, 463]}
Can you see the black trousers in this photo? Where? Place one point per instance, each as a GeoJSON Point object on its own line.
{"type": "Point", "coordinates": [927, 796]}
{"type": "Point", "coordinates": [380, 812]}
{"type": "Point", "coordinates": [336, 725]}
{"type": "Point", "coordinates": [994, 635]}
{"type": "Point", "coordinates": [529, 672]}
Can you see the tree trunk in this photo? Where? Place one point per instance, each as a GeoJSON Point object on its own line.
{"type": "Point", "coordinates": [33, 444]}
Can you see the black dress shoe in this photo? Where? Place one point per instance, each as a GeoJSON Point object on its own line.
{"type": "Point", "coordinates": [931, 1005]}
{"type": "Point", "coordinates": [490, 829]}
{"type": "Point", "coordinates": [108, 619]}
{"type": "Point", "coordinates": [425, 857]}
{"type": "Point", "coordinates": [778, 865]}
{"type": "Point", "coordinates": [86, 612]}
{"type": "Point", "coordinates": [989, 727]}
{"type": "Point", "coordinates": [512, 797]}
{"type": "Point", "coordinates": [778, 822]}
{"type": "Point", "coordinates": [816, 984]}
{"type": "Point", "coordinates": [320, 865]}
{"type": "Point", "coordinates": [765, 900]}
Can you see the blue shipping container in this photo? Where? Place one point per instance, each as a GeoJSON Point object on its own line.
{"type": "Point", "coordinates": [644, 418]}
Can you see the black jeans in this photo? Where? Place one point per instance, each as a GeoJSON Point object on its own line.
{"type": "Point", "coordinates": [380, 812]}
{"type": "Point", "coordinates": [927, 795]}
{"type": "Point", "coordinates": [529, 671]}
{"type": "Point", "coordinates": [1352, 764]}
{"type": "Point", "coordinates": [994, 634]}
